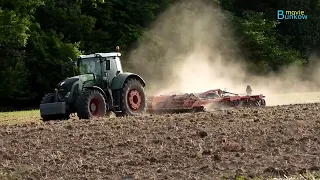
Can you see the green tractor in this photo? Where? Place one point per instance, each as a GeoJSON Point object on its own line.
{"type": "Point", "coordinates": [100, 87]}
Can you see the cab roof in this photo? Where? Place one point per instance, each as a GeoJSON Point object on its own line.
{"type": "Point", "coordinates": [111, 54]}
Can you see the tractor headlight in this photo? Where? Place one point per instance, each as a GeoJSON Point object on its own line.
{"type": "Point", "coordinates": [67, 95]}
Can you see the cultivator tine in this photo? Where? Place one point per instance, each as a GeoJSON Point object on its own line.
{"type": "Point", "coordinates": [209, 100]}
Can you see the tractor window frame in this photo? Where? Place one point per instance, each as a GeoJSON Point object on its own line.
{"type": "Point", "coordinates": [90, 65]}
{"type": "Point", "coordinates": [118, 64]}
{"type": "Point", "coordinates": [108, 65]}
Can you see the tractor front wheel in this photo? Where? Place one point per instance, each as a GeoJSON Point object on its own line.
{"type": "Point", "coordinates": [133, 98]}
{"type": "Point", "coordinates": [49, 98]}
{"type": "Point", "coordinates": [91, 104]}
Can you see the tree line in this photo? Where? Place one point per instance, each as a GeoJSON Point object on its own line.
{"type": "Point", "coordinates": [37, 37]}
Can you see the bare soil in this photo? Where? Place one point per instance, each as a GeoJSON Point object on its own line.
{"type": "Point", "coordinates": [273, 141]}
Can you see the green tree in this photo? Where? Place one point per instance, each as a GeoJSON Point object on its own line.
{"type": "Point", "coordinates": [267, 52]}
{"type": "Point", "coordinates": [15, 21]}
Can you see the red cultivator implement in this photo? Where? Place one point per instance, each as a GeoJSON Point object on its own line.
{"type": "Point", "coordinates": [195, 102]}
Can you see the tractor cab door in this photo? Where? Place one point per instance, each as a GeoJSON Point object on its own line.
{"type": "Point", "coordinates": [110, 70]}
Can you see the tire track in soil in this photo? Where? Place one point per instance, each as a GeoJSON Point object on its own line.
{"type": "Point", "coordinates": [272, 141]}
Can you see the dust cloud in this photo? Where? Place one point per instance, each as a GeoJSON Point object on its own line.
{"type": "Point", "coordinates": [191, 48]}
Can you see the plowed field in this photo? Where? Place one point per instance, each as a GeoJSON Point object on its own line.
{"type": "Point", "coordinates": [274, 141]}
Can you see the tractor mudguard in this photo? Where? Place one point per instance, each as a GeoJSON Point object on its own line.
{"type": "Point", "coordinates": [107, 95]}
{"type": "Point", "coordinates": [97, 88]}
{"type": "Point", "coordinates": [119, 80]}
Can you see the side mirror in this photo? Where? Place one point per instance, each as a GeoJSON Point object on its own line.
{"type": "Point", "coordinates": [71, 63]}
{"type": "Point", "coordinates": [107, 65]}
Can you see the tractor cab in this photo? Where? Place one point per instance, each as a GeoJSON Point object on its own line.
{"type": "Point", "coordinates": [103, 66]}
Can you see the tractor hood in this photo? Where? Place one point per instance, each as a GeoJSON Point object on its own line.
{"type": "Point", "coordinates": [71, 80]}
{"type": "Point", "coordinates": [68, 81]}
{"type": "Point", "coordinates": [65, 86]}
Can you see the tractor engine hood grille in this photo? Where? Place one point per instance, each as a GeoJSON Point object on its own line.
{"type": "Point", "coordinates": [65, 86]}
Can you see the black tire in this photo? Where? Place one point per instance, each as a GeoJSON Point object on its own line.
{"type": "Point", "coordinates": [49, 98]}
{"type": "Point", "coordinates": [133, 98]}
{"type": "Point", "coordinates": [86, 102]}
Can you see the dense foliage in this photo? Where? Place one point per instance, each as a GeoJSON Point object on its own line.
{"type": "Point", "coordinates": [37, 37]}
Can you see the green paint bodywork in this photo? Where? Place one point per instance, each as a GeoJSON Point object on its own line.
{"type": "Point", "coordinates": [119, 80]}
{"type": "Point", "coordinates": [88, 81]}
{"type": "Point", "coordinates": [109, 82]}
{"type": "Point", "coordinates": [84, 80]}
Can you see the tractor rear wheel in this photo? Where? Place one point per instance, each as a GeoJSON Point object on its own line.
{"type": "Point", "coordinates": [133, 98]}
{"type": "Point", "coordinates": [49, 98]}
{"type": "Point", "coordinates": [91, 104]}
